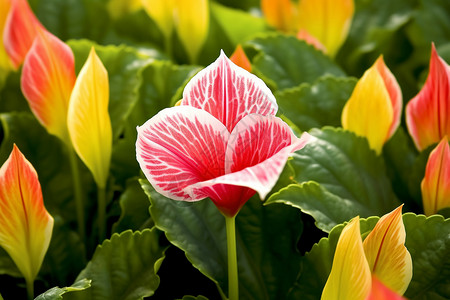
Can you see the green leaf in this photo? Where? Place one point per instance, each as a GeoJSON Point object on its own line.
{"type": "Point", "coordinates": [134, 204]}
{"type": "Point", "coordinates": [56, 292]}
{"type": "Point", "coordinates": [285, 61]}
{"type": "Point", "coordinates": [268, 262]}
{"type": "Point", "coordinates": [344, 170]}
{"type": "Point", "coordinates": [428, 241]}
{"type": "Point", "coordinates": [316, 104]}
{"type": "Point", "coordinates": [237, 24]}
{"type": "Point", "coordinates": [124, 65]}
{"type": "Point", "coordinates": [161, 86]}
{"type": "Point", "coordinates": [124, 267]}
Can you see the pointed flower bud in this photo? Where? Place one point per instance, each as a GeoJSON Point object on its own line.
{"type": "Point", "coordinates": [281, 14]}
{"type": "Point", "coordinates": [327, 20]}
{"type": "Point", "coordinates": [25, 225]}
{"type": "Point", "coordinates": [374, 108]}
{"type": "Point", "coordinates": [161, 12]}
{"type": "Point", "coordinates": [436, 183]}
{"type": "Point", "coordinates": [240, 59]}
{"type": "Point", "coordinates": [48, 76]}
{"type": "Point", "coordinates": [427, 114]}
{"type": "Point", "coordinates": [21, 28]}
{"type": "Point", "coordinates": [88, 118]}
{"type": "Point", "coordinates": [5, 62]}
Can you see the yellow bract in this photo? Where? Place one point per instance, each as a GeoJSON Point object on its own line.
{"type": "Point", "coordinates": [369, 111]}
{"type": "Point", "coordinates": [5, 63]}
{"type": "Point", "coordinates": [327, 20]}
{"type": "Point", "coordinates": [350, 275]}
{"type": "Point", "coordinates": [161, 11]}
{"type": "Point", "coordinates": [88, 118]}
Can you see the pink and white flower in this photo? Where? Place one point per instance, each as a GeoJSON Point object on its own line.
{"type": "Point", "coordinates": [223, 142]}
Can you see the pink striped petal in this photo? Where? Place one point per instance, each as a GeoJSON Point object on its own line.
{"type": "Point", "coordinates": [427, 114]}
{"type": "Point", "coordinates": [48, 77]}
{"type": "Point", "coordinates": [229, 93]}
{"type": "Point", "coordinates": [181, 146]}
{"type": "Point", "coordinates": [257, 151]}
{"type": "Point", "coordinates": [20, 30]}
{"type": "Point", "coordinates": [395, 94]}
{"type": "Point", "coordinates": [25, 225]}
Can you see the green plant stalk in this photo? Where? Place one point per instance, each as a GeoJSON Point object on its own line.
{"type": "Point", "coordinates": [78, 193]}
{"type": "Point", "coordinates": [233, 282]}
{"type": "Point", "coordinates": [30, 288]}
{"type": "Point", "coordinates": [101, 197]}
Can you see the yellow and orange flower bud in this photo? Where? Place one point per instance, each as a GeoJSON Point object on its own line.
{"type": "Point", "coordinates": [280, 14]}
{"type": "Point", "coordinates": [48, 77]}
{"type": "Point", "coordinates": [25, 225]}
{"type": "Point", "coordinates": [386, 253]}
{"type": "Point", "coordinates": [383, 256]}
{"type": "Point", "coordinates": [374, 108]}
{"type": "Point", "coordinates": [88, 118]}
{"type": "Point", "coordinates": [21, 28]}
{"type": "Point", "coordinates": [5, 63]}
{"type": "Point", "coordinates": [436, 183]}
{"type": "Point", "coordinates": [240, 59]}
{"type": "Point", "coordinates": [350, 276]}
{"type": "Point", "coordinates": [427, 114]}
{"type": "Point", "coordinates": [327, 20]}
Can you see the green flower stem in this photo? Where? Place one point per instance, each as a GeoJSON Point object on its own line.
{"type": "Point", "coordinates": [101, 197]}
{"type": "Point", "coordinates": [30, 288]}
{"type": "Point", "coordinates": [78, 192]}
{"type": "Point", "coordinates": [233, 283]}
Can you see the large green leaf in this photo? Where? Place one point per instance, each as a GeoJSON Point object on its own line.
{"type": "Point", "coordinates": [134, 204]}
{"type": "Point", "coordinates": [316, 104]}
{"type": "Point", "coordinates": [57, 293]}
{"type": "Point", "coordinates": [123, 267]}
{"type": "Point", "coordinates": [267, 260]}
{"type": "Point", "coordinates": [124, 65]}
{"type": "Point", "coordinates": [349, 179]}
{"type": "Point", "coordinates": [161, 86]}
{"type": "Point", "coordinates": [285, 61]}
{"type": "Point", "coordinates": [427, 240]}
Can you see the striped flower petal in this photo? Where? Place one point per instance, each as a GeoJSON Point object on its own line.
{"type": "Point", "coordinates": [20, 30]}
{"type": "Point", "coordinates": [386, 253]}
{"type": "Point", "coordinates": [381, 292]}
{"type": "Point", "coordinates": [88, 118]}
{"type": "Point", "coordinates": [240, 59]}
{"type": "Point", "coordinates": [257, 151]}
{"type": "Point", "coordinates": [25, 225]}
{"type": "Point", "coordinates": [192, 25]}
{"type": "Point", "coordinates": [48, 76]}
{"type": "Point", "coordinates": [350, 274]}
{"type": "Point", "coordinates": [427, 114]}
{"type": "Point", "coordinates": [436, 183]}
{"type": "Point", "coordinates": [327, 20]}
{"type": "Point", "coordinates": [281, 14]}
{"type": "Point", "coordinates": [369, 112]}
{"type": "Point", "coordinates": [181, 146]}
{"type": "Point", "coordinates": [229, 93]}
